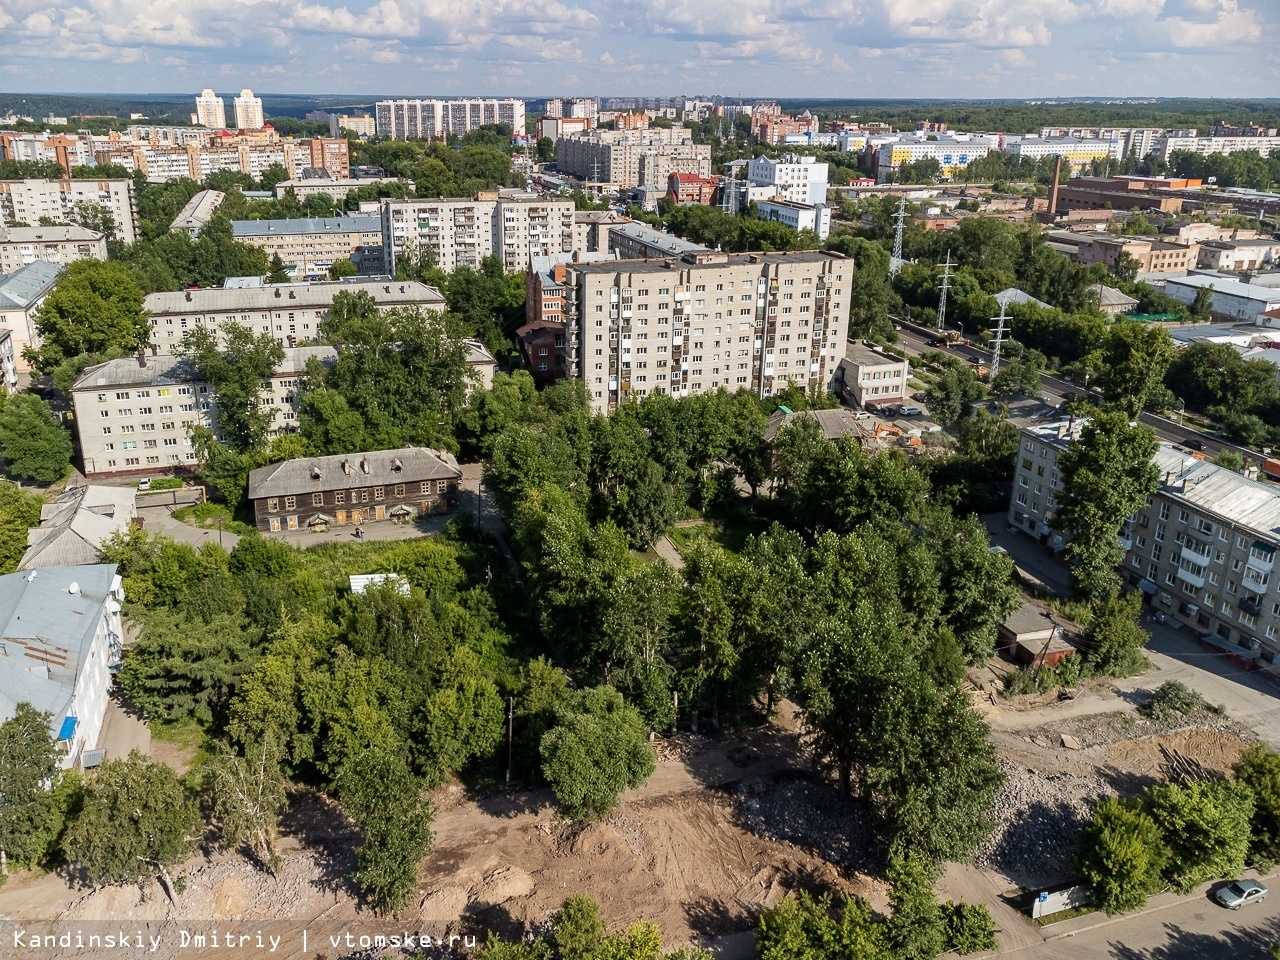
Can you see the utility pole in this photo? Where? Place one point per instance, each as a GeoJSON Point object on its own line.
{"type": "Point", "coordinates": [511, 713]}
{"type": "Point", "coordinates": [942, 295]}
{"type": "Point", "coordinates": [896, 261]}
{"type": "Point", "coordinates": [999, 340]}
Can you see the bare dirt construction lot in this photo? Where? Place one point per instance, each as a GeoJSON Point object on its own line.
{"type": "Point", "coordinates": [723, 827]}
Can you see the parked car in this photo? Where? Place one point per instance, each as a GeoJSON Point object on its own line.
{"type": "Point", "coordinates": [1239, 892]}
{"type": "Point", "coordinates": [936, 342]}
{"type": "Point", "coordinates": [909, 410]}
{"type": "Point", "coordinates": [917, 396]}
{"type": "Point", "coordinates": [144, 483]}
{"type": "Point", "coordinates": [861, 415]}
{"type": "Point", "coordinates": [1195, 444]}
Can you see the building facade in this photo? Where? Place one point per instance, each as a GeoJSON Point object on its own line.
{"type": "Point", "coordinates": [1166, 146]}
{"type": "Point", "coordinates": [1239, 255]}
{"type": "Point", "coordinates": [953, 154]}
{"type": "Point", "coordinates": [1202, 549]}
{"type": "Point", "coordinates": [800, 179]}
{"type": "Point", "coordinates": [436, 119]}
{"type": "Point", "coordinates": [797, 216]}
{"type": "Point", "coordinates": [291, 312]}
{"type": "Point", "coordinates": [21, 294]}
{"type": "Point", "coordinates": [631, 158]}
{"type": "Point", "coordinates": [511, 225]}
{"type": "Point", "coordinates": [30, 201]}
{"type": "Point", "coordinates": [210, 112]}
{"type": "Point", "coordinates": [1077, 150]}
{"type": "Point", "coordinates": [702, 321]}
{"type": "Point", "coordinates": [248, 111]}
{"type": "Point", "coordinates": [361, 126]}
{"type": "Point", "coordinates": [20, 246]}
{"type": "Point", "coordinates": [356, 488]}
{"type": "Point", "coordinates": [871, 378]}
{"type": "Point", "coordinates": [309, 246]}
{"type": "Point", "coordinates": [691, 188]}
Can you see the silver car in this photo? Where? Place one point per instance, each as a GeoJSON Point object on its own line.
{"type": "Point", "coordinates": [1239, 892]}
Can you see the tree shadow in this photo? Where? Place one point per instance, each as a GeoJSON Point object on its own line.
{"type": "Point", "coordinates": [1251, 943]}
{"type": "Point", "coordinates": [516, 802]}
{"type": "Point", "coordinates": [1037, 844]}
{"type": "Point", "coordinates": [1127, 783]}
{"type": "Point", "coordinates": [481, 919]}
{"type": "Point", "coordinates": [318, 824]}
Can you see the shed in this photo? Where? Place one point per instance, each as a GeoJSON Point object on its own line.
{"type": "Point", "coordinates": [1031, 638]}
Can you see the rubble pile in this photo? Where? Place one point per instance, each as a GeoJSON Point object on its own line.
{"type": "Point", "coordinates": [810, 814]}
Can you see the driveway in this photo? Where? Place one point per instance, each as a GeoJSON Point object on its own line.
{"type": "Point", "coordinates": [159, 519]}
{"type": "Point", "coordinates": [1035, 562]}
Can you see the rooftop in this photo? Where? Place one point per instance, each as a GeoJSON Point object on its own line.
{"type": "Point", "coordinates": [26, 285]}
{"type": "Point", "coordinates": [161, 369]}
{"type": "Point", "coordinates": [1252, 504]}
{"type": "Point", "coordinates": [866, 356]}
{"type": "Point", "coordinates": [1014, 295]}
{"type": "Point", "coordinates": [74, 527]}
{"type": "Point", "coordinates": [46, 633]}
{"type": "Point", "coordinates": [306, 225]}
{"type": "Point", "coordinates": [1111, 297]}
{"type": "Point", "coordinates": [657, 238]}
{"type": "Point", "coordinates": [1232, 288]}
{"type": "Point", "coordinates": [708, 259]}
{"type": "Point", "coordinates": [341, 471]}
{"type": "Point", "coordinates": [293, 296]}
{"type": "Point", "coordinates": [57, 233]}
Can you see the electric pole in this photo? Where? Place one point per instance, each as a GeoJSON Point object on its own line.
{"type": "Point", "coordinates": [896, 261]}
{"type": "Point", "coordinates": [942, 295]}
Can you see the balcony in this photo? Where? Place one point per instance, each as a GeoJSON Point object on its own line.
{"type": "Point", "coordinates": [1196, 552]}
{"type": "Point", "coordinates": [1261, 557]}
{"type": "Point", "coordinates": [1252, 606]}
{"type": "Point", "coordinates": [1191, 576]}
{"type": "Point", "coordinates": [1125, 539]}
{"type": "Point", "coordinates": [1255, 580]}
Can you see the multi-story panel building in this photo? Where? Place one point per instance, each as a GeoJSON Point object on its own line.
{"type": "Point", "coordinates": [336, 188]}
{"type": "Point", "coordinates": [1202, 548]}
{"type": "Point", "coordinates": [361, 126]}
{"type": "Point", "coordinates": [638, 241]}
{"type": "Point", "coordinates": [630, 158]}
{"type": "Point", "coordinates": [354, 488]}
{"type": "Point", "coordinates": [30, 201]}
{"type": "Point", "coordinates": [248, 111]}
{"type": "Point", "coordinates": [801, 179]}
{"type": "Point", "coordinates": [798, 216]}
{"type": "Point", "coordinates": [210, 111]}
{"type": "Point", "coordinates": [952, 153]}
{"type": "Point", "coordinates": [705, 321]}
{"type": "Point", "coordinates": [1074, 149]}
{"type": "Point", "coordinates": [66, 151]}
{"type": "Point", "coordinates": [1166, 146]}
{"type": "Point", "coordinates": [309, 246]}
{"type": "Point", "coordinates": [436, 119]}
{"type": "Point", "coordinates": [513, 226]}
{"type": "Point", "coordinates": [871, 378]}
{"type": "Point", "coordinates": [20, 246]}
{"type": "Point", "coordinates": [585, 107]}
{"type": "Point", "coordinates": [291, 312]}
{"type": "Point", "coordinates": [21, 294]}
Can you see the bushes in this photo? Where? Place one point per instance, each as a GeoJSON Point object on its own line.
{"type": "Point", "coordinates": [1172, 700]}
{"type": "Point", "coordinates": [969, 927]}
{"type": "Point", "coordinates": [1121, 856]}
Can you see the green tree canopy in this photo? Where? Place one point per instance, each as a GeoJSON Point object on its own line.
{"type": "Point", "coordinates": [28, 767]}
{"type": "Point", "coordinates": [34, 445]}
{"type": "Point", "coordinates": [95, 306]}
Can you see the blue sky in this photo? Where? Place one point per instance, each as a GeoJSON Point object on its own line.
{"type": "Point", "coordinates": [752, 48]}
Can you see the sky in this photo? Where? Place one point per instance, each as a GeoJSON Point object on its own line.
{"type": "Point", "coordinates": [749, 48]}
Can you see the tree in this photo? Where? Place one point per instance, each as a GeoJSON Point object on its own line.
{"type": "Point", "coordinates": [248, 795]}
{"type": "Point", "coordinates": [33, 443]}
{"type": "Point", "coordinates": [95, 306]}
{"type": "Point", "coordinates": [1106, 474]}
{"type": "Point", "coordinates": [1202, 304]}
{"type": "Point", "coordinates": [1259, 769]}
{"type": "Point", "coordinates": [1121, 855]}
{"type": "Point", "coordinates": [1114, 639]}
{"type": "Point", "coordinates": [462, 718]}
{"type": "Point", "coordinates": [950, 395]}
{"type": "Point", "coordinates": [28, 768]}
{"type": "Point", "coordinates": [236, 361]}
{"type": "Point", "coordinates": [1126, 267]}
{"type": "Point", "coordinates": [598, 747]}
{"type": "Point", "coordinates": [1133, 362]}
{"type": "Point", "coordinates": [1206, 824]}
{"type": "Point", "coordinates": [1021, 378]}
{"type": "Point", "coordinates": [135, 821]}
{"type": "Point", "coordinates": [389, 806]}
{"type": "Point", "coordinates": [19, 511]}
{"type": "Point", "coordinates": [277, 272]}
{"type": "Point", "coordinates": [916, 929]}
{"type": "Point", "coordinates": [342, 268]}
{"type": "Point", "coordinates": [802, 928]}
{"type": "Point", "coordinates": [577, 930]}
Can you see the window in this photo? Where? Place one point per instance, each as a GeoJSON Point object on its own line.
{"type": "Point", "coordinates": [378, 492]}
{"type": "Point", "coordinates": [1164, 511]}
{"type": "Point", "coordinates": [441, 486]}
{"type": "Point", "coordinates": [339, 497]}
{"type": "Point", "coordinates": [290, 503]}
{"type": "Point", "coordinates": [317, 499]}
{"type": "Point", "coordinates": [273, 504]}
{"type": "Point", "coordinates": [106, 430]}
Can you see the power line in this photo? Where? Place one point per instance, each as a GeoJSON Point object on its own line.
{"type": "Point", "coordinates": [942, 296]}
{"type": "Point", "coordinates": [896, 261]}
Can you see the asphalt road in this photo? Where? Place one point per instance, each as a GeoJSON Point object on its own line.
{"type": "Point", "coordinates": [915, 339]}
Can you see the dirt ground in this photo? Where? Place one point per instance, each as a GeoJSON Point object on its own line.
{"type": "Point", "coordinates": [676, 853]}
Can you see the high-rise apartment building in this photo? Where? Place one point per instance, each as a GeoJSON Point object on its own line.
{"type": "Point", "coordinates": [436, 119]}
{"type": "Point", "coordinates": [34, 201]}
{"type": "Point", "coordinates": [800, 179]}
{"type": "Point", "coordinates": [703, 321]}
{"type": "Point", "coordinates": [584, 107]}
{"type": "Point", "coordinates": [631, 158]}
{"type": "Point", "coordinates": [210, 111]}
{"type": "Point", "coordinates": [248, 111]}
{"type": "Point", "coordinates": [459, 232]}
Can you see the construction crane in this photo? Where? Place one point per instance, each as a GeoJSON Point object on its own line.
{"type": "Point", "coordinates": [896, 261]}
{"type": "Point", "coordinates": [942, 295]}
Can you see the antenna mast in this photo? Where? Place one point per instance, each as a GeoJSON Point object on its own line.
{"type": "Point", "coordinates": [997, 343]}
{"type": "Point", "coordinates": [942, 297]}
{"type": "Point", "coordinates": [896, 261]}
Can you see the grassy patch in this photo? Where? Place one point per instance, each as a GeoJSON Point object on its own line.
{"type": "Point", "coordinates": [208, 514]}
{"type": "Point", "coordinates": [165, 483]}
{"type": "Point", "coordinates": [186, 733]}
{"type": "Point", "coordinates": [730, 534]}
{"type": "Point", "coordinates": [1062, 915]}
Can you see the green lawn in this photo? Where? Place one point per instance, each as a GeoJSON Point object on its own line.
{"type": "Point", "coordinates": [732, 535]}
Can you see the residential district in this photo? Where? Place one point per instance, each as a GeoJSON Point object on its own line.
{"type": "Point", "coordinates": [584, 528]}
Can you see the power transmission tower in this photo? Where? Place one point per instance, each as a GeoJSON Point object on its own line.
{"type": "Point", "coordinates": [942, 296]}
{"type": "Point", "coordinates": [997, 343]}
{"type": "Point", "coordinates": [896, 261]}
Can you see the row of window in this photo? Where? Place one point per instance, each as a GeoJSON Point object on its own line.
{"type": "Point", "coordinates": [339, 497]}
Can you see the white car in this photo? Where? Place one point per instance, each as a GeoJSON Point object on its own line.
{"type": "Point", "coordinates": [907, 410]}
{"type": "Point", "coordinates": [144, 483]}
{"type": "Point", "coordinates": [861, 415]}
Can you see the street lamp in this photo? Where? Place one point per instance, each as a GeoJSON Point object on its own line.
{"type": "Point", "coordinates": [1182, 410]}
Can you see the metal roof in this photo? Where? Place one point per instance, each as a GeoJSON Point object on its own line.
{"type": "Point", "coordinates": [1232, 288]}
{"type": "Point", "coordinates": [46, 633]}
{"type": "Point", "coordinates": [656, 238]}
{"type": "Point", "coordinates": [57, 233]}
{"type": "Point", "coordinates": [298, 226]}
{"type": "Point", "coordinates": [74, 527]}
{"type": "Point", "coordinates": [1014, 295]}
{"type": "Point", "coordinates": [1217, 490]}
{"type": "Point", "coordinates": [293, 296]}
{"type": "Point", "coordinates": [316, 474]}
{"type": "Point", "coordinates": [26, 285]}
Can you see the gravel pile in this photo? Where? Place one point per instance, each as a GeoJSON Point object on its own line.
{"type": "Point", "coordinates": [809, 814]}
{"type": "Point", "coordinates": [1039, 817]}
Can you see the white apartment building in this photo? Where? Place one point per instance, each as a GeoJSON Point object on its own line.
{"type": "Point", "coordinates": [62, 244]}
{"type": "Point", "coordinates": [870, 378]}
{"type": "Point", "coordinates": [69, 151]}
{"type": "Point", "coordinates": [436, 119]}
{"type": "Point", "coordinates": [61, 642]}
{"type": "Point", "coordinates": [703, 321]}
{"type": "Point", "coordinates": [952, 153]}
{"type": "Point", "coordinates": [1202, 548]}
{"type": "Point", "coordinates": [291, 312]}
{"type": "Point", "coordinates": [27, 201]}
{"type": "Point", "coordinates": [21, 294]}
{"type": "Point", "coordinates": [1166, 147]}
{"type": "Point", "coordinates": [248, 111]}
{"type": "Point", "coordinates": [512, 225]}
{"type": "Point", "coordinates": [797, 216]}
{"type": "Point", "coordinates": [1075, 149]}
{"type": "Point", "coordinates": [800, 179]}
{"type": "Point", "coordinates": [362, 126]}
{"type": "Point", "coordinates": [585, 107]}
{"type": "Point", "coordinates": [1134, 141]}
{"type": "Point", "coordinates": [210, 111]}
{"type": "Point", "coordinates": [631, 158]}
{"type": "Point", "coordinates": [309, 246]}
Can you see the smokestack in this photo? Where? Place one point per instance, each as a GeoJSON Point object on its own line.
{"type": "Point", "coordinates": [1053, 187]}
